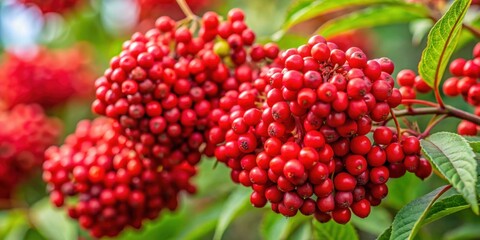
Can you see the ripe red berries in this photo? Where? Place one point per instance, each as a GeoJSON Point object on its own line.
{"type": "Point", "coordinates": [116, 186]}
{"type": "Point", "coordinates": [25, 133]}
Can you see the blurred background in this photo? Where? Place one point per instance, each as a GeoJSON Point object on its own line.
{"type": "Point", "coordinates": [52, 51]}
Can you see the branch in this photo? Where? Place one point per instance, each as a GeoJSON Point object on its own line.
{"type": "Point", "coordinates": [448, 110]}
{"type": "Point", "coordinates": [472, 30]}
{"type": "Point", "coordinates": [185, 9]}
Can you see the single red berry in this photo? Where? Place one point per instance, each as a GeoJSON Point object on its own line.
{"type": "Point", "coordinates": [450, 87]}
{"type": "Point", "coordinates": [395, 153]}
{"type": "Point", "coordinates": [355, 164]}
{"type": "Point", "coordinates": [341, 215]}
{"type": "Point", "coordinates": [360, 145]}
{"type": "Point", "coordinates": [467, 128]}
{"type": "Point", "coordinates": [361, 208]}
{"type": "Point", "coordinates": [411, 163]}
{"type": "Point", "coordinates": [421, 85]}
{"type": "Point", "coordinates": [327, 92]}
{"type": "Point", "coordinates": [411, 145]}
{"type": "Point", "coordinates": [318, 173]}
{"type": "Point", "coordinates": [383, 135]}
{"type": "Point", "coordinates": [343, 199]}
{"type": "Point", "coordinates": [294, 171]}
{"type": "Point", "coordinates": [379, 175]}
{"type": "Point", "coordinates": [424, 169]}
{"type": "Point", "coordinates": [456, 66]}
{"type": "Point", "coordinates": [344, 182]}
{"type": "Point", "coordinates": [257, 199]}
{"type": "Point", "coordinates": [376, 156]}
{"type": "Point", "coordinates": [406, 78]}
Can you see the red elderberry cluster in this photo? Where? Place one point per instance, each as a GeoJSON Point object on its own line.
{"type": "Point", "coordinates": [53, 6]}
{"type": "Point", "coordinates": [300, 141]}
{"type": "Point", "coordinates": [113, 185]}
{"type": "Point", "coordinates": [25, 133]}
{"type": "Point", "coordinates": [49, 79]}
{"type": "Point", "coordinates": [466, 82]}
{"type": "Point", "coordinates": [159, 95]}
{"type": "Point", "coordinates": [163, 96]}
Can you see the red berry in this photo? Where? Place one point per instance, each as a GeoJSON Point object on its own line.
{"type": "Point", "coordinates": [406, 78]}
{"type": "Point", "coordinates": [383, 135]}
{"type": "Point", "coordinates": [344, 182]}
{"type": "Point", "coordinates": [341, 215]}
{"type": "Point", "coordinates": [355, 164]}
{"type": "Point", "coordinates": [424, 169]}
{"type": "Point", "coordinates": [361, 208]}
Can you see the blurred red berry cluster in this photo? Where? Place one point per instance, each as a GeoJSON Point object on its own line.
{"type": "Point", "coordinates": [28, 85]}
{"type": "Point", "coordinates": [50, 78]}
{"type": "Point", "coordinates": [25, 134]}
{"type": "Point", "coordinates": [53, 6]}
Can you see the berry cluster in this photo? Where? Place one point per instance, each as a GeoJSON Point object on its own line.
{"type": "Point", "coordinates": [163, 97]}
{"type": "Point", "coordinates": [115, 186]}
{"type": "Point", "coordinates": [25, 133]}
{"type": "Point", "coordinates": [466, 82]}
{"type": "Point", "coordinates": [53, 6]}
{"type": "Point", "coordinates": [300, 141]}
{"type": "Point", "coordinates": [160, 95]}
{"type": "Point", "coordinates": [49, 79]}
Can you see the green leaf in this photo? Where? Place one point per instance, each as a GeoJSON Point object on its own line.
{"type": "Point", "coordinates": [238, 202]}
{"type": "Point", "coordinates": [386, 234]}
{"type": "Point", "coordinates": [332, 230]}
{"type": "Point", "coordinates": [453, 157]}
{"type": "Point", "coordinates": [52, 222]}
{"type": "Point", "coordinates": [408, 220]}
{"type": "Point", "coordinates": [304, 232]}
{"type": "Point", "coordinates": [305, 10]}
{"type": "Point", "coordinates": [444, 207]}
{"type": "Point", "coordinates": [468, 231]}
{"type": "Point", "coordinates": [474, 143]}
{"type": "Point", "coordinates": [441, 43]}
{"type": "Point", "coordinates": [439, 209]}
{"type": "Point", "coordinates": [372, 17]}
{"type": "Point", "coordinates": [13, 224]}
{"type": "Point", "coordinates": [201, 225]}
{"type": "Point", "coordinates": [378, 220]}
{"type": "Point", "coordinates": [276, 226]}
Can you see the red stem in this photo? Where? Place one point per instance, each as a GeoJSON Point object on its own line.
{"type": "Point", "coordinates": [431, 126]}
{"type": "Point", "coordinates": [438, 97]}
{"type": "Point", "coordinates": [448, 110]}
{"type": "Point", "coordinates": [185, 9]}
{"type": "Point", "coordinates": [397, 125]}
{"type": "Point", "coordinates": [419, 101]}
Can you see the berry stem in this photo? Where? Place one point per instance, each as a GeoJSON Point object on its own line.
{"type": "Point", "coordinates": [431, 125]}
{"type": "Point", "coordinates": [438, 97]}
{"type": "Point", "coordinates": [472, 30]}
{"type": "Point", "coordinates": [419, 101]}
{"type": "Point", "coordinates": [445, 189]}
{"type": "Point", "coordinates": [397, 125]}
{"type": "Point", "coordinates": [6, 204]}
{"type": "Point", "coordinates": [448, 110]}
{"type": "Point", "coordinates": [300, 130]}
{"type": "Point", "coordinates": [185, 9]}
